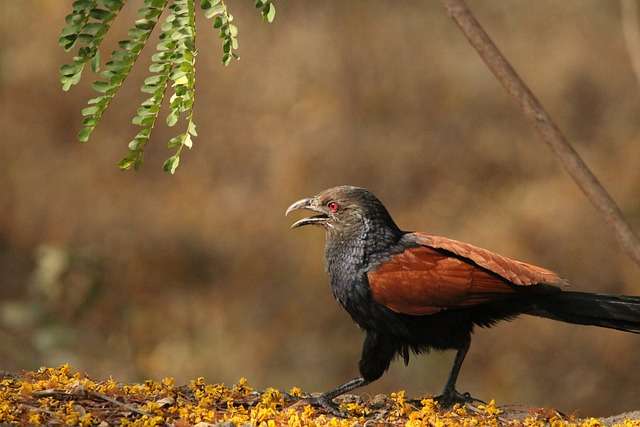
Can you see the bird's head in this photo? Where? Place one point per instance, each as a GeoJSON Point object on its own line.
{"type": "Point", "coordinates": [344, 210]}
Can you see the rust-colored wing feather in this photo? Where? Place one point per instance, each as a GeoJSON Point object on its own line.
{"type": "Point", "coordinates": [443, 273]}
{"type": "Point", "coordinates": [516, 272]}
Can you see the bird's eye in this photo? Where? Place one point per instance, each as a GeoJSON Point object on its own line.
{"type": "Point", "coordinates": [333, 207]}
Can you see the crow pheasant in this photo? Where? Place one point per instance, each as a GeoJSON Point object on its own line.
{"type": "Point", "coordinates": [413, 291]}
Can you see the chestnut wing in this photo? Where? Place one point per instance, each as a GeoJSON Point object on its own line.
{"type": "Point", "coordinates": [445, 274]}
{"type": "Point", "coordinates": [514, 271]}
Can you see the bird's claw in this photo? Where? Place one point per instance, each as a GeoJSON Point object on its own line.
{"type": "Point", "coordinates": [326, 404]}
{"type": "Point", "coordinates": [451, 397]}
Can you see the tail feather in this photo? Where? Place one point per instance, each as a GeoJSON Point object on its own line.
{"type": "Point", "coordinates": [607, 311]}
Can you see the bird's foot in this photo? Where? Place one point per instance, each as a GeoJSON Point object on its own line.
{"type": "Point", "coordinates": [325, 403]}
{"type": "Point", "coordinates": [450, 397]}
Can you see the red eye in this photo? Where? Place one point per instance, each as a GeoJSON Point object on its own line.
{"type": "Point", "coordinates": [333, 207]}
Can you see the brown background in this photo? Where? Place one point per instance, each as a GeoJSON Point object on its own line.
{"type": "Point", "coordinates": [141, 275]}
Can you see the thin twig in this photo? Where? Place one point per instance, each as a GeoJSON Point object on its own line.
{"type": "Point", "coordinates": [477, 411]}
{"type": "Point", "coordinates": [52, 393]}
{"type": "Point", "coordinates": [124, 405]}
{"type": "Point", "coordinates": [4, 374]}
{"type": "Point", "coordinates": [547, 128]}
{"type": "Point", "coordinates": [631, 31]}
{"type": "Point", "coordinates": [36, 409]}
{"type": "Point", "coordinates": [88, 393]}
{"type": "Point", "coordinates": [53, 415]}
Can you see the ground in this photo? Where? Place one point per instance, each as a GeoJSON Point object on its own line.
{"type": "Point", "coordinates": [63, 396]}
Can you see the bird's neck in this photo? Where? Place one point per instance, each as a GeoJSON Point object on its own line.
{"type": "Point", "coordinates": [349, 250]}
{"type": "Point", "coordinates": [350, 253]}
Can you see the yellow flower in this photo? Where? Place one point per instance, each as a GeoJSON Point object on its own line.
{"type": "Point", "coordinates": [86, 420]}
{"type": "Point", "coordinates": [26, 388]}
{"type": "Point", "coordinates": [168, 382]}
{"type": "Point", "coordinates": [490, 408]}
{"type": "Point", "coordinates": [211, 403]}
{"type": "Point", "coordinates": [242, 386]}
{"type": "Point", "coordinates": [35, 419]}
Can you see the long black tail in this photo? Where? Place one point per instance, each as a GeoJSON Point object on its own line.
{"type": "Point", "coordinates": [607, 311]}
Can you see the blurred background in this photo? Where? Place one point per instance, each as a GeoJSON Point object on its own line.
{"type": "Point", "coordinates": [145, 275]}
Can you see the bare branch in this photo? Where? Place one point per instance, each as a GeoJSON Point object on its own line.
{"type": "Point", "coordinates": [631, 31]}
{"type": "Point", "coordinates": [127, 406]}
{"type": "Point", "coordinates": [549, 131]}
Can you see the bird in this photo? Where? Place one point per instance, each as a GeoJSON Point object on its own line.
{"type": "Point", "coordinates": [412, 292]}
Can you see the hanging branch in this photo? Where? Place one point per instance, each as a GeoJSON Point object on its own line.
{"type": "Point", "coordinates": [173, 63]}
{"type": "Point", "coordinates": [156, 85]}
{"type": "Point", "coordinates": [119, 66]}
{"type": "Point", "coordinates": [81, 30]}
{"type": "Point", "coordinates": [547, 128]}
{"type": "Point", "coordinates": [184, 81]}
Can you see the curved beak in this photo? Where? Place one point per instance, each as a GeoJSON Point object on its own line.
{"type": "Point", "coordinates": [308, 204]}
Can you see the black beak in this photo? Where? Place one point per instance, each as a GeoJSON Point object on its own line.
{"type": "Point", "coordinates": [311, 205]}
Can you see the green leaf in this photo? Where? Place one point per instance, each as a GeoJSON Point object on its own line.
{"type": "Point", "coordinates": [67, 42]}
{"type": "Point", "coordinates": [171, 164]}
{"type": "Point", "coordinates": [153, 80]}
{"type": "Point", "coordinates": [113, 5]}
{"type": "Point", "coordinates": [101, 86]}
{"type": "Point", "coordinates": [95, 62]}
{"type": "Point", "coordinates": [172, 119]}
{"type": "Point", "coordinates": [156, 68]}
{"type": "Point", "coordinates": [90, 111]}
{"type": "Point", "coordinates": [83, 135]}
{"type": "Point", "coordinates": [149, 88]}
{"type": "Point", "coordinates": [69, 81]}
{"type": "Point", "coordinates": [156, 4]}
{"type": "Point", "coordinates": [97, 100]}
{"type": "Point", "coordinates": [215, 10]}
{"type": "Point", "coordinates": [128, 162]}
{"type": "Point", "coordinates": [83, 4]}
{"type": "Point", "coordinates": [136, 33]}
{"type": "Point", "coordinates": [186, 141]}
{"type": "Point", "coordinates": [143, 120]}
{"type": "Point", "coordinates": [93, 28]}
{"type": "Point", "coordinates": [68, 70]}
{"type": "Point", "coordinates": [182, 80]}
{"type": "Point", "coordinates": [159, 57]}
{"type": "Point", "coordinates": [175, 142]}
{"type": "Point", "coordinates": [144, 24]}
{"type": "Point", "coordinates": [192, 128]}
{"type": "Point", "coordinates": [226, 46]}
{"type": "Point", "coordinates": [90, 121]}
{"type": "Point", "coordinates": [136, 144]}
{"type": "Point", "coordinates": [101, 14]}
{"type": "Point", "coordinates": [269, 12]}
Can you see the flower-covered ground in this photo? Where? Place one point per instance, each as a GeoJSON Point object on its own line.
{"type": "Point", "coordinates": [62, 396]}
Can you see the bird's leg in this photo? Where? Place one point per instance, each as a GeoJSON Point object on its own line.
{"type": "Point", "coordinates": [377, 353]}
{"type": "Point", "coordinates": [450, 396]}
{"type": "Point", "coordinates": [325, 400]}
